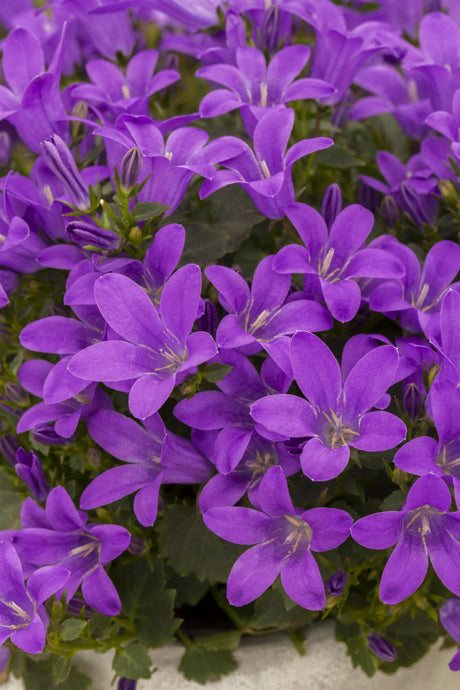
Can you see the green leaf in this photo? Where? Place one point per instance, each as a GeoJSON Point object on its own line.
{"type": "Point", "coordinates": [72, 629]}
{"type": "Point", "coordinates": [394, 501]}
{"type": "Point", "coordinates": [148, 210]}
{"type": "Point", "coordinates": [270, 611]}
{"type": "Point", "coordinates": [145, 600]}
{"type": "Point", "coordinates": [201, 665]}
{"type": "Point", "coordinates": [10, 504]}
{"type": "Point", "coordinates": [228, 640]}
{"type": "Point", "coordinates": [338, 157]}
{"type": "Point", "coordinates": [132, 661]}
{"type": "Point", "coordinates": [219, 226]}
{"type": "Point", "coordinates": [61, 669]}
{"type": "Point", "coordinates": [98, 625]}
{"type": "Point", "coordinates": [189, 590]}
{"type": "Point", "coordinates": [216, 372]}
{"type": "Point", "coordinates": [190, 547]}
{"type": "Point", "coordinates": [38, 675]}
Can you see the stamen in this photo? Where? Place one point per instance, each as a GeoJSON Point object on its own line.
{"type": "Point", "coordinates": [125, 91]}
{"type": "Point", "coordinates": [265, 170]}
{"type": "Point", "coordinates": [263, 95]}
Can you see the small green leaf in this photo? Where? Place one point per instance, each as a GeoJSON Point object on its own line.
{"type": "Point", "coordinates": [98, 625]}
{"type": "Point", "coordinates": [394, 501]}
{"type": "Point", "coordinates": [201, 665]}
{"type": "Point", "coordinates": [191, 548]}
{"type": "Point", "coordinates": [39, 675]}
{"type": "Point", "coordinates": [216, 372]}
{"type": "Point", "coordinates": [61, 669]}
{"type": "Point", "coordinates": [228, 640]}
{"type": "Point", "coordinates": [338, 157]}
{"type": "Point", "coordinates": [72, 629]}
{"type": "Point", "coordinates": [148, 210]}
{"type": "Point", "coordinates": [132, 661]}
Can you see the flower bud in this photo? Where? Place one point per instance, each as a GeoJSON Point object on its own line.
{"type": "Point", "coordinates": [6, 148]}
{"type": "Point", "coordinates": [30, 469]}
{"type": "Point", "coordinates": [44, 433]}
{"type": "Point", "coordinates": [390, 212]}
{"type": "Point", "coordinates": [130, 169]}
{"type": "Point", "coordinates": [336, 583]}
{"type": "Point", "coordinates": [382, 647]}
{"type": "Point", "coordinates": [270, 28]}
{"type": "Point", "coordinates": [9, 447]}
{"type": "Point", "coordinates": [209, 319]}
{"type": "Point", "coordinates": [332, 204]}
{"type": "Point", "coordinates": [60, 161]}
{"type": "Point", "coordinates": [412, 401]}
{"type": "Point", "coordinates": [171, 61]}
{"type": "Point", "coordinates": [137, 546]}
{"type": "Point", "coordinates": [79, 110]}
{"type": "Point", "coordinates": [16, 393]}
{"type": "Point", "coordinates": [414, 204]}
{"type": "Point", "coordinates": [126, 684]}
{"type": "Point", "coordinates": [83, 233]}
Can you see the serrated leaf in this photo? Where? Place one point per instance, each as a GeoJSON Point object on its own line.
{"type": "Point", "coordinates": [189, 590]}
{"type": "Point", "coordinates": [61, 669]}
{"type": "Point", "coordinates": [201, 665]}
{"type": "Point", "coordinates": [98, 624]}
{"type": "Point", "coordinates": [132, 661]}
{"type": "Point", "coordinates": [270, 611]}
{"type": "Point", "coordinates": [148, 210]}
{"type": "Point", "coordinates": [146, 601]}
{"type": "Point", "coordinates": [190, 547]}
{"type": "Point", "coordinates": [38, 675]}
{"type": "Point", "coordinates": [228, 640]}
{"type": "Point", "coordinates": [72, 629]}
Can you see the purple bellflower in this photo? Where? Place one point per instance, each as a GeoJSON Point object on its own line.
{"type": "Point", "coordinates": [59, 535]}
{"type": "Point", "coordinates": [423, 454]}
{"type": "Point", "coordinates": [260, 317]}
{"type": "Point", "coordinates": [153, 347]}
{"type": "Point", "coordinates": [227, 409]}
{"type": "Point", "coordinates": [282, 539]}
{"type": "Point", "coordinates": [330, 261]}
{"type": "Point", "coordinates": [265, 173]}
{"type": "Point", "coordinates": [449, 617]}
{"type": "Point", "coordinates": [335, 416]}
{"type": "Point", "coordinates": [254, 87]}
{"type": "Point", "coordinates": [152, 457]}
{"type": "Point", "coordinates": [60, 161]}
{"type": "Point", "coordinates": [23, 617]}
{"type": "Point", "coordinates": [422, 530]}
{"type": "Point", "coordinates": [114, 93]}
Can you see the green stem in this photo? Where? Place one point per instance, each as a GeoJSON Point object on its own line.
{"type": "Point", "coordinates": [297, 639]}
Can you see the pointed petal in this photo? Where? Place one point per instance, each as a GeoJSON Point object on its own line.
{"type": "Point", "coordinates": [111, 360]}
{"type": "Point", "coordinates": [309, 224]}
{"type": "Point", "coordinates": [233, 290]}
{"type": "Point", "coordinates": [271, 137]}
{"type": "Point", "coordinates": [379, 431]}
{"type": "Point", "coordinates": [231, 444]}
{"type": "Point", "coordinates": [304, 148]}
{"type": "Point", "coordinates": [429, 490]}
{"type": "Point", "coordinates": [238, 525]}
{"type": "Point", "coordinates": [378, 531]}
{"type": "Point", "coordinates": [99, 592]}
{"type": "Point", "coordinates": [273, 495]}
{"type": "Point", "coordinates": [284, 67]}
{"type": "Point", "coordinates": [148, 394]}
{"type": "Point", "coordinates": [321, 463]}
{"type": "Point", "coordinates": [46, 581]}
{"type": "Point", "coordinates": [122, 437]}
{"type": "Point", "coordinates": [285, 414]}
{"type": "Point", "coordinates": [18, 71]}
{"type": "Point", "coordinates": [316, 370]}
{"type": "Point", "coordinates": [114, 540]}
{"type": "Point", "coordinates": [61, 512]}
{"type": "Point", "coordinates": [405, 570]}
{"type": "Point", "coordinates": [302, 581]}
{"type": "Point", "coordinates": [146, 502]}
{"type": "Point", "coordinates": [369, 379]}
{"type": "Point", "coordinates": [418, 456]}
{"type": "Point", "coordinates": [343, 299]}
{"type": "Point", "coordinates": [252, 574]}
{"type": "Point", "coordinates": [331, 527]}
{"type": "Point", "coordinates": [180, 299]}
{"type": "Point", "coordinates": [30, 639]}
{"type": "Point", "coordinates": [116, 483]}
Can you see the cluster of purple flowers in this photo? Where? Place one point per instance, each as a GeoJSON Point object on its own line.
{"type": "Point", "coordinates": [137, 322]}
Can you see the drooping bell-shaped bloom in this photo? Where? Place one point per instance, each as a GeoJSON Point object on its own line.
{"type": "Point", "coordinates": [60, 535]}
{"type": "Point", "coordinates": [333, 259]}
{"type": "Point", "coordinates": [423, 530]}
{"type": "Point", "coordinates": [282, 540]}
{"type": "Point", "coordinates": [266, 173]}
{"type": "Point", "coordinates": [336, 415]}
{"type": "Point", "coordinates": [254, 87]}
{"type": "Point", "coordinates": [23, 617]}
{"type": "Point", "coordinates": [153, 346]}
{"type": "Point", "coordinates": [449, 617]}
{"type": "Point", "coordinates": [152, 456]}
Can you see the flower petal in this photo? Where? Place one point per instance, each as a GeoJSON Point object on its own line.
{"type": "Point", "coordinates": [302, 581]}
{"type": "Point", "coordinates": [252, 574]}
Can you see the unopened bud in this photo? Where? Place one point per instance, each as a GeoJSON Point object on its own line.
{"type": "Point", "coordinates": [94, 457]}
{"type": "Point", "coordinates": [382, 647]}
{"type": "Point", "coordinates": [30, 469]}
{"type": "Point", "coordinates": [79, 110]}
{"type": "Point", "coordinates": [336, 583]}
{"type": "Point", "coordinates": [126, 684]}
{"type": "Point", "coordinates": [9, 446]}
{"type": "Point", "coordinates": [270, 28]}
{"type": "Point", "coordinates": [368, 197]}
{"type": "Point", "coordinates": [332, 204]}
{"type": "Point", "coordinates": [412, 401]}
{"type": "Point", "coordinates": [16, 393]}
{"type": "Point", "coordinates": [130, 169]}
{"type": "Point", "coordinates": [84, 234]}
{"type": "Point", "coordinates": [60, 161]}
{"type": "Point", "coordinates": [137, 546]}
{"type": "Point", "coordinates": [390, 211]}
{"type": "Point", "coordinates": [171, 61]}
{"type": "Point", "coordinates": [209, 319]}
{"type": "Point", "coordinates": [6, 148]}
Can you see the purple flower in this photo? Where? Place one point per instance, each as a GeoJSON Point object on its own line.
{"type": "Point", "coordinates": [254, 87]}
{"type": "Point", "coordinates": [337, 583]}
{"type": "Point", "coordinates": [283, 539]}
{"type": "Point", "coordinates": [153, 346]}
{"type": "Point", "coordinates": [332, 263]}
{"type": "Point", "coordinates": [60, 161]}
{"type": "Point", "coordinates": [335, 416]}
{"type": "Point", "coordinates": [382, 647]}
{"type": "Point", "coordinates": [422, 530]}
{"type": "Point", "coordinates": [59, 535]}
{"type": "Point", "coordinates": [265, 174]}
{"type": "Point", "coordinates": [449, 617]}
{"type": "Point", "coordinates": [23, 617]}
{"type": "Point", "coordinates": [30, 469]}
{"type": "Point", "coordinates": [153, 457]}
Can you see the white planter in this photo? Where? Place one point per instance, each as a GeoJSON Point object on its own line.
{"type": "Point", "coordinates": [272, 663]}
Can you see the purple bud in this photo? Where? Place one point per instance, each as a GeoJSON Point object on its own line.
{"type": "Point", "coordinates": [368, 197]}
{"type": "Point", "coordinates": [76, 604]}
{"type": "Point", "coordinates": [209, 320]}
{"type": "Point", "coordinates": [30, 469]}
{"type": "Point", "coordinates": [270, 29]}
{"type": "Point", "coordinates": [382, 647]}
{"type": "Point", "coordinates": [171, 61]}
{"type": "Point", "coordinates": [390, 211]}
{"type": "Point", "coordinates": [412, 203]}
{"type": "Point", "coordinates": [84, 234]}
{"type": "Point", "coordinates": [336, 583]}
{"type": "Point", "coordinates": [295, 444]}
{"type": "Point", "coordinates": [332, 204]}
{"type": "Point", "coordinates": [412, 401]}
{"type": "Point", "coordinates": [60, 161]}
{"type": "Point", "coordinates": [6, 148]}
{"type": "Point", "coordinates": [9, 446]}
{"type": "Point", "coordinates": [44, 433]}
{"type": "Point", "coordinates": [126, 684]}
{"type": "Point", "coordinates": [130, 169]}
{"type": "Point", "coordinates": [137, 546]}
{"type": "Point", "coordinates": [16, 393]}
